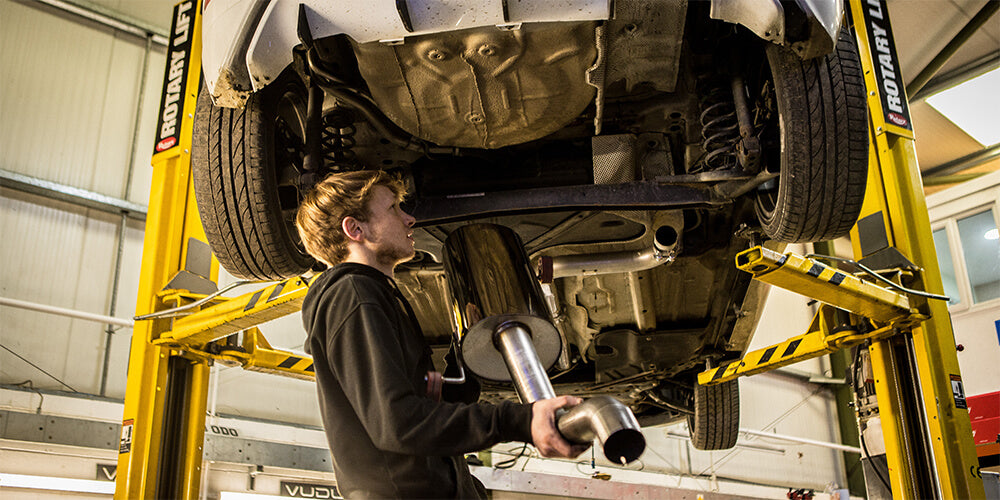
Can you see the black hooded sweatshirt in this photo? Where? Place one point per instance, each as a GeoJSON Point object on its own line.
{"type": "Point", "coordinates": [387, 438]}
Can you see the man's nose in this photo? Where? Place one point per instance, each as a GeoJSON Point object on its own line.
{"type": "Point", "coordinates": [409, 219]}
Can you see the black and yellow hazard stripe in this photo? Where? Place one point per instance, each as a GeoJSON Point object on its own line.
{"type": "Point", "coordinates": [281, 363]}
{"type": "Point", "coordinates": [239, 313]}
{"type": "Point", "coordinates": [825, 335]}
{"type": "Point", "coordinates": [825, 284]}
{"type": "Point", "coordinates": [261, 357]}
{"type": "Point", "coordinates": [790, 351]}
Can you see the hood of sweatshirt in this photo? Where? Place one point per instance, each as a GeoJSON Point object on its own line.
{"type": "Point", "coordinates": [325, 281]}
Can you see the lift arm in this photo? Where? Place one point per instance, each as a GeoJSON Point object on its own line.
{"type": "Point", "coordinates": [235, 315]}
{"type": "Point", "coordinates": [840, 322]}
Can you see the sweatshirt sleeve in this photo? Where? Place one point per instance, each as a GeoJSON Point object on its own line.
{"type": "Point", "coordinates": [366, 356]}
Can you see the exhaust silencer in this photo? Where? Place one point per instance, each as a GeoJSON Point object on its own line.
{"type": "Point", "coordinates": [507, 334]}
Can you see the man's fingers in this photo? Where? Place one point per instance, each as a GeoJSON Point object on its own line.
{"type": "Point", "coordinates": [545, 432]}
{"type": "Point", "coordinates": [568, 401]}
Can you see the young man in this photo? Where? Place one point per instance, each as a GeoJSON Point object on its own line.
{"type": "Point", "coordinates": [387, 437]}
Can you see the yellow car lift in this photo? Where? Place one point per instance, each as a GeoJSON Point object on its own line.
{"type": "Point", "coordinates": [928, 435]}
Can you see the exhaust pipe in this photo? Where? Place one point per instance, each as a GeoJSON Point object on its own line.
{"type": "Point", "coordinates": [507, 335]}
{"type": "Point", "coordinates": [664, 251]}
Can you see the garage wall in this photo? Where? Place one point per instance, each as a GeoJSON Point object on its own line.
{"type": "Point", "coordinates": [71, 89]}
{"type": "Point", "coordinates": [975, 319]}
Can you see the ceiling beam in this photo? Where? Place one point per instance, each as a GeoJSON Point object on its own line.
{"type": "Point", "coordinates": [949, 50]}
{"type": "Point", "coordinates": [966, 162]}
{"type": "Point", "coordinates": [977, 67]}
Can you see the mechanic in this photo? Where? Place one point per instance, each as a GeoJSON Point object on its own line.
{"type": "Point", "coordinates": [387, 436]}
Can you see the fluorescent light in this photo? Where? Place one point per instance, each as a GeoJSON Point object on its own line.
{"type": "Point", "coordinates": [974, 106]}
{"type": "Point", "coordinates": [992, 234]}
{"type": "Point", "coordinates": [232, 495]}
{"type": "Point", "coordinates": [56, 484]}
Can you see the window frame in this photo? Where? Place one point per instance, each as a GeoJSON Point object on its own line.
{"type": "Point", "coordinates": [950, 226]}
{"type": "Point", "coordinates": [950, 223]}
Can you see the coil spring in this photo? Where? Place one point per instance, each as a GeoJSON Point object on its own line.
{"type": "Point", "coordinates": [338, 140]}
{"type": "Point", "coordinates": [720, 129]}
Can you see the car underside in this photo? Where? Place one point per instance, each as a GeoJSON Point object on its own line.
{"type": "Point", "coordinates": [633, 156]}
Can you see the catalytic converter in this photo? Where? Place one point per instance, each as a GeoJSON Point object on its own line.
{"type": "Point", "coordinates": [507, 334]}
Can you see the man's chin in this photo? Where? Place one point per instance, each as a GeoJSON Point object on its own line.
{"type": "Point", "coordinates": [397, 258]}
{"type": "Point", "coordinates": [410, 255]}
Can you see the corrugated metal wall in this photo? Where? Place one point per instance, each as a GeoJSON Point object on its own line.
{"type": "Point", "coordinates": [69, 91]}
{"type": "Point", "coordinates": [69, 97]}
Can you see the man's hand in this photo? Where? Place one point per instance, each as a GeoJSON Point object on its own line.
{"type": "Point", "coordinates": [545, 434]}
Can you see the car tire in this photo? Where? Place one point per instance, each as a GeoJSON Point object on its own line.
{"type": "Point", "coordinates": [715, 423]}
{"type": "Point", "coordinates": [245, 166]}
{"type": "Point", "coordinates": [824, 145]}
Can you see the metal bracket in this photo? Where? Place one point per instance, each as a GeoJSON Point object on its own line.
{"type": "Point", "coordinates": [256, 354]}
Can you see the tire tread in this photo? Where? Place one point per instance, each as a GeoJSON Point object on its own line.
{"type": "Point", "coordinates": [236, 198]}
{"type": "Point", "coordinates": [824, 173]}
{"type": "Point", "coordinates": [715, 424]}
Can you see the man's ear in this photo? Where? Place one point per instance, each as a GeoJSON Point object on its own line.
{"type": "Point", "coordinates": [352, 228]}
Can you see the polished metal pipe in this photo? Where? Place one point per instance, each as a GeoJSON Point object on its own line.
{"type": "Point", "coordinates": [514, 343]}
{"type": "Point", "coordinates": [601, 417]}
{"type": "Point", "coordinates": [611, 422]}
{"type": "Point", "coordinates": [490, 283]}
{"type": "Point", "coordinates": [664, 251]}
{"type": "Point", "coordinates": [506, 333]}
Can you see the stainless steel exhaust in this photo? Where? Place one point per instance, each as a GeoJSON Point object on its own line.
{"type": "Point", "coordinates": [612, 423]}
{"type": "Point", "coordinates": [663, 251]}
{"type": "Point", "coordinates": [601, 417]}
{"type": "Point", "coordinates": [483, 263]}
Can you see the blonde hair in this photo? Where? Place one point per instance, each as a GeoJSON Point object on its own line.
{"type": "Point", "coordinates": [336, 197]}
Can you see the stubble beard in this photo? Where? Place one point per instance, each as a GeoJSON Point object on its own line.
{"type": "Point", "coordinates": [392, 256]}
{"type": "Point", "coordinates": [389, 255]}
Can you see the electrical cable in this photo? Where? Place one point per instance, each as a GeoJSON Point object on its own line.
{"type": "Point", "coordinates": [879, 277]}
{"type": "Point", "coordinates": [864, 445]}
{"type": "Point", "coordinates": [511, 462]}
{"type": "Point", "coordinates": [31, 385]}
{"type": "Point", "coordinates": [38, 368]}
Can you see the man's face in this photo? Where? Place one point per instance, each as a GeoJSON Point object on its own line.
{"type": "Point", "coordinates": [390, 232]}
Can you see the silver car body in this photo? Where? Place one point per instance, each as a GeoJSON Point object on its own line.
{"type": "Point", "coordinates": [248, 43]}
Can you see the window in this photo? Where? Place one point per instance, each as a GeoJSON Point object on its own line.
{"type": "Point", "coordinates": [981, 249]}
{"type": "Point", "coordinates": [947, 266]}
{"type": "Point", "coordinates": [968, 251]}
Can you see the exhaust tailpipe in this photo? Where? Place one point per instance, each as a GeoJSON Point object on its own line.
{"type": "Point", "coordinates": [664, 251]}
{"type": "Point", "coordinates": [507, 334]}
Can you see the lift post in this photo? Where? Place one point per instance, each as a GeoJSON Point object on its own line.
{"type": "Point", "coordinates": [894, 222]}
{"type": "Point", "coordinates": [166, 393]}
